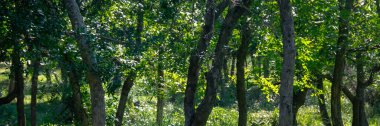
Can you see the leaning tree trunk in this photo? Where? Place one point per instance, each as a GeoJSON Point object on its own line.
{"type": "Point", "coordinates": [89, 59]}
{"type": "Point", "coordinates": [345, 8]}
{"type": "Point", "coordinates": [213, 76]}
{"type": "Point", "coordinates": [160, 92]}
{"type": "Point", "coordinates": [197, 56]}
{"type": "Point", "coordinates": [36, 69]}
{"type": "Point", "coordinates": [287, 72]}
{"type": "Point", "coordinates": [322, 103]}
{"type": "Point", "coordinates": [196, 60]}
{"type": "Point", "coordinates": [129, 81]}
{"type": "Point", "coordinates": [240, 81]}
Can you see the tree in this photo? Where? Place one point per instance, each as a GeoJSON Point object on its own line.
{"type": "Point", "coordinates": [129, 81]}
{"type": "Point", "coordinates": [36, 68]}
{"type": "Point", "coordinates": [287, 72]}
{"type": "Point", "coordinates": [345, 8]}
{"type": "Point", "coordinates": [88, 56]}
{"type": "Point", "coordinates": [240, 63]}
{"type": "Point", "coordinates": [359, 117]}
{"type": "Point", "coordinates": [197, 57]}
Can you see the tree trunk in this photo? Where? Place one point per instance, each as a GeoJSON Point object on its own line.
{"type": "Point", "coordinates": [160, 92]}
{"type": "Point", "coordinates": [287, 72]}
{"type": "Point", "coordinates": [19, 81]}
{"type": "Point", "coordinates": [196, 60]}
{"type": "Point", "coordinates": [89, 59]}
{"type": "Point", "coordinates": [81, 116]}
{"type": "Point", "coordinates": [345, 8]}
{"type": "Point", "coordinates": [33, 115]}
{"type": "Point", "coordinates": [240, 81]}
{"type": "Point", "coordinates": [298, 100]}
{"type": "Point", "coordinates": [359, 117]}
{"type": "Point", "coordinates": [204, 109]}
{"type": "Point", "coordinates": [322, 103]}
{"type": "Point", "coordinates": [129, 81]}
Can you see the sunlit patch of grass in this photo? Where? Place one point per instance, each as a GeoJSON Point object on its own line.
{"type": "Point", "coordinates": [375, 121]}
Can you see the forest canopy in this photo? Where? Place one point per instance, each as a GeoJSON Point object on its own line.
{"type": "Point", "coordinates": [190, 62]}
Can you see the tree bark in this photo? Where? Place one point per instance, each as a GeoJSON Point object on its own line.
{"type": "Point", "coordinates": [33, 115]}
{"type": "Point", "coordinates": [240, 81]}
{"type": "Point", "coordinates": [129, 81]}
{"type": "Point", "coordinates": [89, 59]}
{"type": "Point", "coordinates": [74, 81]}
{"type": "Point", "coordinates": [19, 82]}
{"type": "Point", "coordinates": [213, 76]}
{"type": "Point", "coordinates": [322, 103]}
{"type": "Point", "coordinates": [160, 92]}
{"type": "Point", "coordinates": [345, 8]}
{"type": "Point", "coordinates": [287, 72]}
{"type": "Point", "coordinates": [196, 60]}
{"type": "Point", "coordinates": [298, 100]}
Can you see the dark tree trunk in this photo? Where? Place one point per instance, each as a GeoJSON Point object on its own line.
{"type": "Point", "coordinates": [345, 8]}
{"type": "Point", "coordinates": [33, 115]}
{"type": "Point", "coordinates": [359, 117]}
{"type": "Point", "coordinates": [19, 81]}
{"type": "Point", "coordinates": [89, 59]}
{"type": "Point", "coordinates": [129, 81]}
{"type": "Point", "coordinates": [287, 72]}
{"type": "Point", "coordinates": [240, 81]}
{"type": "Point", "coordinates": [322, 103]}
{"type": "Point", "coordinates": [81, 116]}
{"type": "Point", "coordinates": [212, 77]}
{"type": "Point", "coordinates": [160, 92]}
{"type": "Point", "coordinates": [298, 100]}
{"type": "Point", "coordinates": [198, 55]}
{"type": "Point", "coordinates": [196, 60]}
{"type": "Point", "coordinates": [12, 93]}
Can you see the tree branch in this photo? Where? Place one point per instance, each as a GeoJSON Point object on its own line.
{"type": "Point", "coordinates": [374, 70]}
{"type": "Point", "coordinates": [220, 7]}
{"type": "Point", "coordinates": [7, 99]}
{"type": "Point", "coordinates": [348, 93]}
{"type": "Point", "coordinates": [365, 48]}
